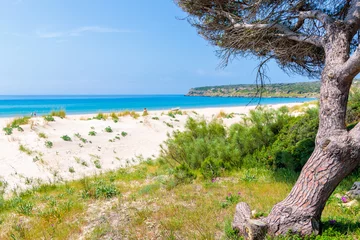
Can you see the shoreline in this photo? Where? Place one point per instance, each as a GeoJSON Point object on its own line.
{"type": "Point", "coordinates": [166, 109]}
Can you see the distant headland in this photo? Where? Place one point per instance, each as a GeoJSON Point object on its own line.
{"type": "Point", "coordinates": [297, 89]}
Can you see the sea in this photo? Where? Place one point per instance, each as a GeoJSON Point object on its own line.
{"type": "Point", "coordinates": [11, 106]}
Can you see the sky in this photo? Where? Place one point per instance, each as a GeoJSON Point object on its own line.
{"type": "Point", "coordinates": [110, 47]}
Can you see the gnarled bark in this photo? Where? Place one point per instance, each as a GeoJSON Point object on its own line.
{"type": "Point", "coordinates": [336, 154]}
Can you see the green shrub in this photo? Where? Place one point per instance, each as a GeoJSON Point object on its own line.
{"type": "Point", "coordinates": [66, 138]}
{"type": "Point", "coordinates": [108, 129]}
{"type": "Point", "coordinates": [183, 175]}
{"type": "Point", "coordinates": [211, 168]}
{"type": "Point", "coordinates": [49, 118]}
{"type": "Point", "coordinates": [155, 118]}
{"type": "Point", "coordinates": [26, 150]}
{"type": "Point", "coordinates": [92, 133]}
{"type": "Point", "coordinates": [101, 116]}
{"type": "Point", "coordinates": [42, 135]}
{"type": "Point", "coordinates": [71, 169]}
{"type": "Point", "coordinates": [20, 129]}
{"type": "Point", "coordinates": [124, 134]}
{"type": "Point", "coordinates": [8, 130]}
{"type": "Point", "coordinates": [48, 144]}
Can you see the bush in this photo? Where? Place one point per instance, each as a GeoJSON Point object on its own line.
{"type": "Point", "coordinates": [101, 116]}
{"type": "Point", "coordinates": [266, 137]}
{"type": "Point", "coordinates": [124, 134]}
{"type": "Point", "coordinates": [183, 175]}
{"type": "Point", "coordinates": [48, 144]}
{"type": "Point", "coordinates": [108, 129]}
{"type": "Point", "coordinates": [92, 133]}
{"type": "Point", "coordinates": [211, 168]}
{"type": "Point", "coordinates": [8, 130]}
{"type": "Point", "coordinates": [66, 138]}
{"type": "Point", "coordinates": [49, 118]}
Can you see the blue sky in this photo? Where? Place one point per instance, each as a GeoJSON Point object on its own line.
{"type": "Point", "coordinates": [109, 47]}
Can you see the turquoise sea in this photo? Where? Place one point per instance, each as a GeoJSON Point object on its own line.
{"type": "Point", "coordinates": [75, 104]}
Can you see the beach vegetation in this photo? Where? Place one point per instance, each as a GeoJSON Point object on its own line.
{"type": "Point", "coordinates": [49, 118]}
{"type": "Point", "coordinates": [60, 113]}
{"type": "Point", "coordinates": [92, 133]}
{"type": "Point", "coordinates": [26, 150]}
{"type": "Point", "coordinates": [42, 135]}
{"type": "Point", "coordinates": [18, 121]}
{"type": "Point", "coordinates": [8, 130]}
{"type": "Point", "coordinates": [64, 209]}
{"type": "Point", "coordinates": [71, 169]}
{"type": "Point", "coordinates": [114, 116]}
{"type": "Point", "coordinates": [171, 114]}
{"type": "Point", "coordinates": [20, 129]}
{"type": "Point", "coordinates": [132, 114]}
{"type": "Point", "coordinates": [48, 144]}
{"type": "Point", "coordinates": [97, 163]}
{"type": "Point", "coordinates": [66, 138]}
{"type": "Point", "coordinates": [145, 113]}
{"type": "Point", "coordinates": [168, 124]}
{"type": "Point", "coordinates": [222, 114]}
{"type": "Point", "coordinates": [101, 116]}
{"type": "Point", "coordinates": [155, 118]}
{"type": "Point", "coordinates": [108, 129]}
{"type": "Point", "coordinates": [124, 134]}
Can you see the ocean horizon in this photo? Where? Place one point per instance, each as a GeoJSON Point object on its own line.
{"type": "Point", "coordinates": [20, 105]}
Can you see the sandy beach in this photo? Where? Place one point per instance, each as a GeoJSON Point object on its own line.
{"type": "Point", "coordinates": [87, 155]}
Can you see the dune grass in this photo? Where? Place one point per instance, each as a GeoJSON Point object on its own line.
{"type": "Point", "coordinates": [60, 113]}
{"type": "Point", "coordinates": [132, 114]}
{"type": "Point", "coordinates": [142, 203]}
{"type": "Point", "coordinates": [18, 121]}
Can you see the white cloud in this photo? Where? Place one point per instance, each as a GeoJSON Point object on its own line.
{"type": "Point", "coordinates": [79, 32]}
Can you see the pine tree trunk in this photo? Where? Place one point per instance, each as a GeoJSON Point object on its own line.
{"type": "Point", "coordinates": [336, 155]}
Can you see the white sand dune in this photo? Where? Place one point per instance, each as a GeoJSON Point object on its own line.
{"type": "Point", "coordinates": [20, 170]}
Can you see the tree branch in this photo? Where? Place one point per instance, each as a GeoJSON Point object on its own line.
{"type": "Point", "coordinates": [316, 14]}
{"type": "Point", "coordinates": [353, 16]}
{"type": "Point", "coordinates": [352, 66]}
{"type": "Point", "coordinates": [285, 32]}
{"type": "Point", "coordinates": [355, 132]}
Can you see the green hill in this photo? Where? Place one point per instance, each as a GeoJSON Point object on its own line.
{"type": "Point", "coordinates": [298, 89]}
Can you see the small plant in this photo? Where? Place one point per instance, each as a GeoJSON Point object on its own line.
{"type": "Point", "coordinates": [155, 118]}
{"type": "Point", "coordinates": [66, 138]}
{"type": "Point", "coordinates": [168, 124]}
{"type": "Point", "coordinates": [49, 118]}
{"type": "Point", "coordinates": [114, 116]}
{"type": "Point", "coordinates": [71, 170]}
{"type": "Point", "coordinates": [117, 137]}
{"type": "Point", "coordinates": [48, 144]}
{"type": "Point", "coordinates": [101, 116]}
{"type": "Point", "coordinates": [60, 113]}
{"type": "Point", "coordinates": [124, 134]}
{"type": "Point", "coordinates": [171, 114]}
{"type": "Point", "coordinates": [20, 129]}
{"type": "Point", "coordinates": [92, 133]}
{"type": "Point", "coordinates": [8, 130]}
{"type": "Point", "coordinates": [25, 208]}
{"type": "Point", "coordinates": [108, 129]}
{"type": "Point", "coordinates": [42, 135]}
{"type": "Point", "coordinates": [24, 149]}
{"type": "Point", "coordinates": [230, 199]}
{"type": "Point", "coordinates": [97, 163]}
